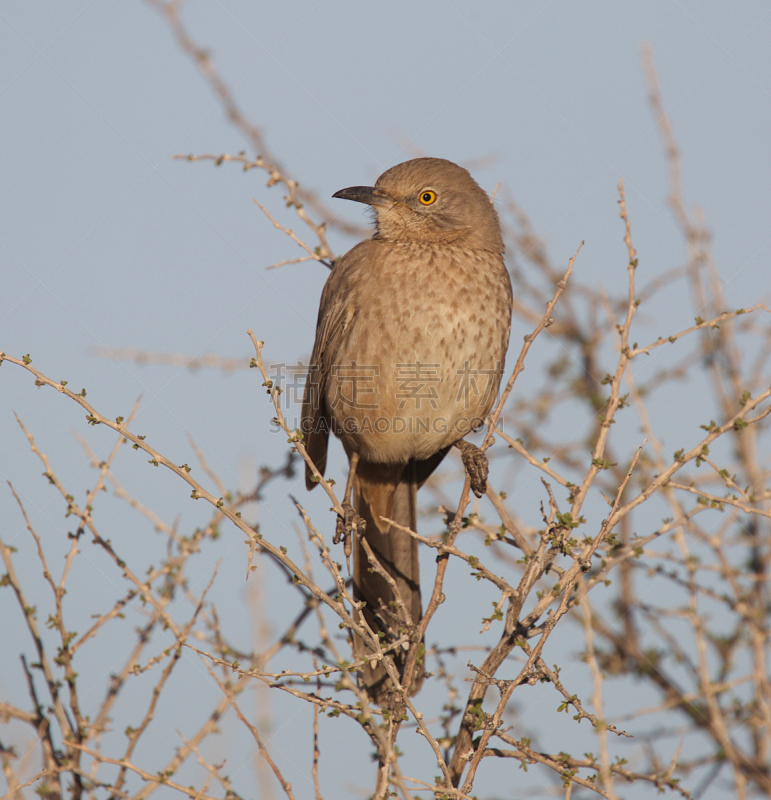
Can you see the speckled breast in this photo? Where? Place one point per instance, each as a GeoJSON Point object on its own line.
{"type": "Point", "coordinates": [421, 361]}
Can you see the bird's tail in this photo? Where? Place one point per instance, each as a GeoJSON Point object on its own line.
{"type": "Point", "coordinates": [387, 491]}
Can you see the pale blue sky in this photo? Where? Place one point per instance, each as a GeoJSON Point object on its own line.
{"type": "Point", "coordinates": [105, 241]}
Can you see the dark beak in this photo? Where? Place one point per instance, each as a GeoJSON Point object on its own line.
{"type": "Point", "coordinates": [365, 194]}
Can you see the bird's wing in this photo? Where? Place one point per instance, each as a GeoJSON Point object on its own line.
{"type": "Point", "coordinates": [335, 315]}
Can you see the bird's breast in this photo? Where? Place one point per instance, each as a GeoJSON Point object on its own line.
{"type": "Point", "coordinates": [421, 360]}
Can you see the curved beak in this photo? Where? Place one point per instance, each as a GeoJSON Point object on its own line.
{"type": "Point", "coordinates": [365, 194]}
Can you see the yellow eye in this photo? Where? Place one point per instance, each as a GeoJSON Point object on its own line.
{"type": "Point", "coordinates": [427, 197]}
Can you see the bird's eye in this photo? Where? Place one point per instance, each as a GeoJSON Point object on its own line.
{"type": "Point", "coordinates": [427, 197]}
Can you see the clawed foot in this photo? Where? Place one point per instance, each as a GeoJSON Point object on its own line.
{"type": "Point", "coordinates": [347, 522]}
{"type": "Point", "coordinates": [475, 462]}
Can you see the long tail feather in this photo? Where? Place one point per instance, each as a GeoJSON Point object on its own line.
{"type": "Point", "coordinates": [386, 491]}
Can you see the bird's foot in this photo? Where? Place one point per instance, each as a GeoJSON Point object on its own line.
{"type": "Point", "coordinates": [348, 522]}
{"type": "Point", "coordinates": [476, 464]}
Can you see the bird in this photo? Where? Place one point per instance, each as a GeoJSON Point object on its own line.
{"type": "Point", "coordinates": [411, 338]}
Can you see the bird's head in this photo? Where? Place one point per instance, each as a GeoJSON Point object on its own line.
{"type": "Point", "coordinates": [430, 200]}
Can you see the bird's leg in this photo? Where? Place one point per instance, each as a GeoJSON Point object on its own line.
{"type": "Point", "coordinates": [476, 464]}
{"type": "Point", "coordinates": [349, 520]}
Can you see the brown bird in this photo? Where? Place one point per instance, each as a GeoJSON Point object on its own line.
{"type": "Point", "coordinates": [411, 338]}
